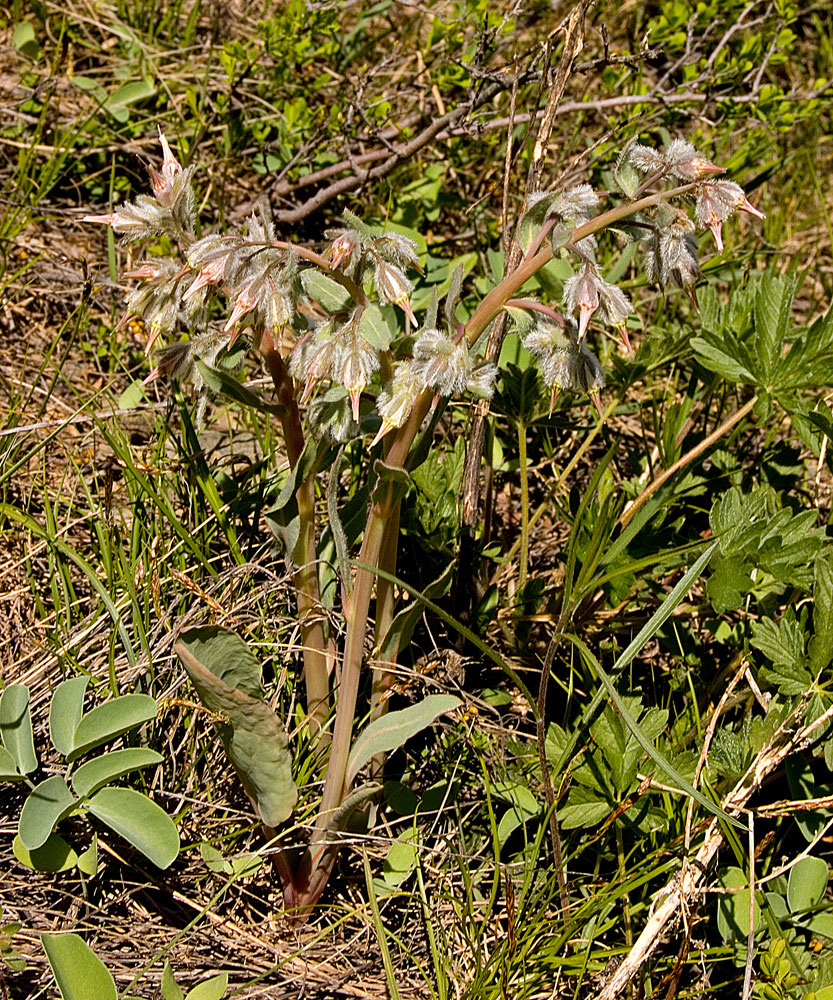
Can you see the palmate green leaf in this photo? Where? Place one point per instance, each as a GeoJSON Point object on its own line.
{"type": "Point", "coordinates": [773, 303]}
{"type": "Point", "coordinates": [584, 809]}
{"type": "Point", "coordinates": [65, 711]}
{"type": "Point", "coordinates": [46, 805]}
{"type": "Point", "coordinates": [107, 721]}
{"type": "Point", "coordinates": [16, 727]}
{"type": "Point", "coordinates": [394, 729]}
{"type": "Point", "coordinates": [78, 971]}
{"type": "Point", "coordinates": [712, 355]}
{"type": "Point", "coordinates": [108, 766]}
{"type": "Point", "coordinates": [141, 822]}
{"type": "Point", "coordinates": [784, 642]}
{"type": "Point", "coordinates": [254, 739]}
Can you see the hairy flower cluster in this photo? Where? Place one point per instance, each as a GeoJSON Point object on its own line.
{"type": "Point", "coordinates": [587, 293]}
{"type": "Point", "coordinates": [671, 254]}
{"type": "Point", "coordinates": [338, 353]}
{"type": "Point", "coordinates": [716, 199]}
{"type": "Point", "coordinates": [171, 210]}
{"type": "Point", "coordinates": [357, 251]}
{"type": "Point", "coordinates": [564, 360]}
{"type": "Point", "coordinates": [448, 367]}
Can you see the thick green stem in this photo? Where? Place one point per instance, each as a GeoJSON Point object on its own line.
{"type": "Point", "coordinates": [318, 653]}
{"type": "Point", "coordinates": [384, 673]}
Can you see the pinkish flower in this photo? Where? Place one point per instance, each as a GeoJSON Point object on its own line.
{"type": "Point", "coordinates": [581, 294]}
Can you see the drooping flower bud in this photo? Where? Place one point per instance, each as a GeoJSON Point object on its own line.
{"type": "Point", "coordinates": [716, 201]}
{"type": "Point", "coordinates": [396, 400]}
{"type": "Point", "coordinates": [393, 286]}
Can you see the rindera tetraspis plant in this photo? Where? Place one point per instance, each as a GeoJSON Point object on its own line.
{"type": "Point", "coordinates": [349, 358]}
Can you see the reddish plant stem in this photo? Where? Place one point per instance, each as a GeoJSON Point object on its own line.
{"type": "Point", "coordinates": [319, 652]}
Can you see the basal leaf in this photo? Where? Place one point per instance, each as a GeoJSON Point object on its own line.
{"type": "Point", "coordinates": [46, 805]}
{"type": "Point", "coordinates": [106, 768]}
{"type": "Point", "coordinates": [8, 767]}
{"type": "Point", "coordinates": [65, 711]}
{"type": "Point", "coordinates": [16, 727]}
{"type": "Point", "coordinates": [254, 740]}
{"type": "Point", "coordinates": [107, 721]}
{"type": "Point", "coordinates": [141, 822]}
{"type": "Point", "coordinates": [53, 856]}
{"type": "Point", "coordinates": [393, 729]}
{"type": "Point", "coordinates": [78, 971]}
{"type": "Point", "coordinates": [211, 989]}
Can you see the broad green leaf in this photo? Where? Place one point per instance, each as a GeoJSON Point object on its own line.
{"type": "Point", "coordinates": [733, 907]}
{"type": "Point", "coordinates": [772, 312]}
{"type": "Point", "coordinates": [328, 293]}
{"type": "Point", "coordinates": [25, 40]}
{"type": "Point", "coordinates": [583, 810]}
{"type": "Point", "coordinates": [132, 396]}
{"type": "Point", "coordinates": [65, 711]}
{"type": "Point", "coordinates": [55, 855]}
{"type": "Point", "coordinates": [226, 655]}
{"type": "Point", "coordinates": [401, 858]}
{"type": "Point", "coordinates": [374, 328]}
{"type": "Point", "coordinates": [8, 767]}
{"type": "Point", "coordinates": [79, 972]}
{"type": "Point", "coordinates": [46, 805]}
{"type": "Point", "coordinates": [102, 770]}
{"type": "Point", "coordinates": [807, 882]}
{"type": "Point", "coordinates": [393, 729]}
{"type": "Point", "coordinates": [254, 739]}
{"type": "Point", "coordinates": [105, 722]}
{"type": "Point", "coordinates": [211, 989]}
{"type": "Point", "coordinates": [141, 822]}
{"type": "Point", "coordinates": [714, 358]}
{"type": "Point", "coordinates": [240, 866]}
{"type": "Point", "coordinates": [169, 986]}
{"type": "Point", "coordinates": [129, 93]}
{"type": "Point", "coordinates": [16, 727]}
{"type": "Point", "coordinates": [355, 801]}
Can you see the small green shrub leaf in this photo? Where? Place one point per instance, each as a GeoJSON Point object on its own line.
{"type": "Point", "coordinates": [102, 770]}
{"type": "Point", "coordinates": [16, 727]}
{"type": "Point", "coordinates": [170, 987]}
{"type": "Point", "coordinates": [8, 767]}
{"type": "Point", "coordinates": [79, 972]}
{"type": "Point", "coordinates": [254, 739]}
{"type": "Point", "coordinates": [226, 655]}
{"type": "Point", "coordinates": [65, 711]}
{"type": "Point", "coordinates": [88, 860]}
{"type": "Point", "coordinates": [141, 822]}
{"type": "Point", "coordinates": [807, 882]}
{"type": "Point", "coordinates": [401, 858]}
{"type": "Point", "coordinates": [46, 805]}
{"type": "Point", "coordinates": [211, 989]}
{"type": "Point", "coordinates": [392, 730]}
{"type": "Point", "coordinates": [54, 856]}
{"type": "Point", "coordinates": [105, 722]}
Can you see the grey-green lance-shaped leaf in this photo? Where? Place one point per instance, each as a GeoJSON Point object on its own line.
{"type": "Point", "coordinates": [78, 971]}
{"type": "Point", "coordinates": [8, 767]}
{"type": "Point", "coordinates": [808, 880]}
{"type": "Point", "coordinates": [211, 989]}
{"type": "Point", "coordinates": [65, 711]}
{"type": "Point", "coordinates": [54, 856]}
{"type": "Point", "coordinates": [226, 655]}
{"type": "Point", "coordinates": [46, 805]}
{"type": "Point", "coordinates": [254, 740]}
{"type": "Point", "coordinates": [107, 767]}
{"type": "Point", "coordinates": [141, 822]}
{"type": "Point", "coordinates": [105, 722]}
{"type": "Point", "coordinates": [393, 729]}
{"type": "Point", "coordinates": [16, 727]}
{"type": "Point", "coordinates": [341, 818]}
